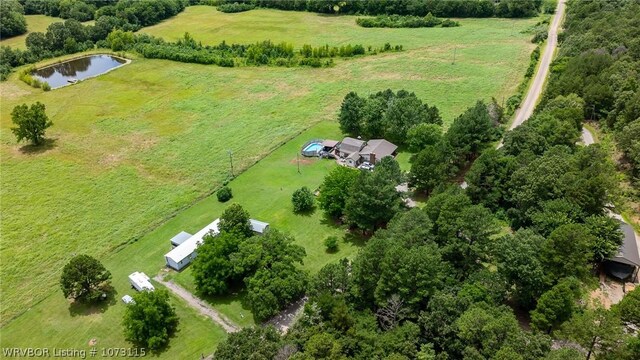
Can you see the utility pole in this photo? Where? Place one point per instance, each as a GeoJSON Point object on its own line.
{"type": "Point", "coordinates": [298, 161]}
{"type": "Point", "coordinates": [454, 56]}
{"type": "Point", "coordinates": [231, 161]}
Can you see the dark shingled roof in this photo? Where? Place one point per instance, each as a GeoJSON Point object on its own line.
{"type": "Point", "coordinates": [350, 145]}
{"type": "Point", "coordinates": [379, 147]}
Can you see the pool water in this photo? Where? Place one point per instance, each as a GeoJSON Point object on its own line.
{"type": "Point", "coordinates": [313, 147]}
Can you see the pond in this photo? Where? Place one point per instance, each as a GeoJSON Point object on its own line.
{"type": "Point", "coordinates": [72, 71]}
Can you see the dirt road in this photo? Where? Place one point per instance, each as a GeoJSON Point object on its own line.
{"type": "Point", "coordinates": [199, 305]}
{"type": "Point", "coordinates": [529, 103]}
{"type": "Point", "coordinates": [587, 136]}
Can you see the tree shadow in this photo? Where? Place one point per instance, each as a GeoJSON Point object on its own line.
{"type": "Point", "coordinates": [77, 308]}
{"type": "Point", "coordinates": [306, 213]}
{"type": "Point", "coordinates": [356, 238]}
{"type": "Point", "coordinates": [30, 149]}
{"type": "Point", "coordinates": [331, 222]}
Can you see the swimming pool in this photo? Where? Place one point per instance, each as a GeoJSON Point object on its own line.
{"type": "Point", "coordinates": [313, 147]}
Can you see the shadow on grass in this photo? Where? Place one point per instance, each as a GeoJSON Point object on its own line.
{"type": "Point", "coordinates": [236, 293]}
{"type": "Point", "coordinates": [356, 238]}
{"type": "Point", "coordinates": [31, 149]}
{"type": "Point", "coordinates": [306, 213]}
{"type": "Point", "coordinates": [137, 349]}
{"type": "Point", "coordinates": [82, 309]}
{"type": "Point", "coordinates": [331, 222]}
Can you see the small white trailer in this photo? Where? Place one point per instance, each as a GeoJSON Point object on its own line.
{"type": "Point", "coordinates": [140, 281]}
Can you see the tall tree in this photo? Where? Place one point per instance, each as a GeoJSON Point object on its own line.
{"type": "Point", "coordinates": [488, 177]}
{"type": "Point", "coordinates": [256, 342]}
{"type": "Point", "coordinates": [335, 189]}
{"type": "Point", "coordinates": [556, 305]}
{"type": "Point", "coordinates": [414, 274]}
{"type": "Point", "coordinates": [372, 202]}
{"type": "Point", "coordinates": [12, 21]}
{"type": "Point", "coordinates": [629, 308]}
{"type": "Point", "coordinates": [31, 122]}
{"type": "Point", "coordinates": [235, 219]}
{"type": "Point", "coordinates": [598, 331]}
{"type": "Point", "coordinates": [405, 112]}
{"type": "Point", "coordinates": [471, 132]}
{"type": "Point", "coordinates": [608, 236]}
{"type": "Point", "coordinates": [518, 259]}
{"type": "Point", "coordinates": [85, 279]}
{"type": "Point", "coordinates": [150, 320]}
{"type": "Point", "coordinates": [429, 169]}
{"type": "Point", "coordinates": [274, 278]}
{"type": "Point", "coordinates": [351, 114]}
{"type": "Point", "coordinates": [422, 135]}
{"type": "Point", "coordinates": [568, 252]}
{"type": "Point", "coordinates": [213, 269]}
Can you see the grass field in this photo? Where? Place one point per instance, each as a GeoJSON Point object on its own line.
{"type": "Point", "coordinates": [133, 147]}
{"type": "Point", "coordinates": [35, 23]}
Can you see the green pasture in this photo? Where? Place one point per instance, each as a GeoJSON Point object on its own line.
{"type": "Point", "coordinates": [132, 151]}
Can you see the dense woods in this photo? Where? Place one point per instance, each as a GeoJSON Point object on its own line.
{"type": "Point", "coordinates": [445, 281]}
{"type": "Point", "coordinates": [12, 21]}
{"type": "Point", "coordinates": [599, 61]}
{"type": "Point", "coordinates": [440, 8]}
{"type": "Point", "coordinates": [408, 21]}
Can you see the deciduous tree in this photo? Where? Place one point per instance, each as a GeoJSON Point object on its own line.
{"type": "Point", "coordinates": [31, 122]}
{"type": "Point", "coordinates": [235, 219]}
{"type": "Point", "coordinates": [302, 200]}
{"type": "Point", "coordinates": [85, 279]}
{"type": "Point", "coordinates": [150, 320]}
{"type": "Point", "coordinates": [335, 190]}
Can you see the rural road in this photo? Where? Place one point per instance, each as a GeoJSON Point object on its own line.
{"type": "Point", "coordinates": [530, 101]}
{"type": "Point", "coordinates": [199, 305]}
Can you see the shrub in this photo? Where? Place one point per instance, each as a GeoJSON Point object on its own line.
{"type": "Point", "coordinates": [302, 200]}
{"type": "Point", "coordinates": [46, 86]}
{"type": "Point", "coordinates": [331, 243]}
{"type": "Point", "coordinates": [235, 7]}
{"type": "Point", "coordinates": [224, 194]}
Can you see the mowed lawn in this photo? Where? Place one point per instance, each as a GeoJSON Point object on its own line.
{"type": "Point", "coordinates": [134, 147]}
{"type": "Point", "coordinates": [35, 23]}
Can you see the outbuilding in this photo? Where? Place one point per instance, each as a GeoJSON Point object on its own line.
{"type": "Point", "coordinates": [180, 238]}
{"type": "Point", "coordinates": [140, 281]}
{"type": "Point", "coordinates": [259, 227]}
{"type": "Point", "coordinates": [626, 264]}
{"type": "Point", "coordinates": [182, 254]}
{"type": "Point", "coordinates": [185, 252]}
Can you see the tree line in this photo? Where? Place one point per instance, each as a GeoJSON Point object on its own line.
{"type": "Point", "coordinates": [138, 12]}
{"type": "Point", "coordinates": [406, 21]}
{"type": "Point", "coordinates": [440, 8]}
{"type": "Point", "coordinates": [187, 49]}
{"type": "Point", "coordinates": [12, 21]}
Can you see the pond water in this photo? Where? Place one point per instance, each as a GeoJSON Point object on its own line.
{"type": "Point", "coordinates": [77, 69]}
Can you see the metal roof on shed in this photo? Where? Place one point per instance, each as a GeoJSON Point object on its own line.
{"type": "Point", "coordinates": [180, 238]}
